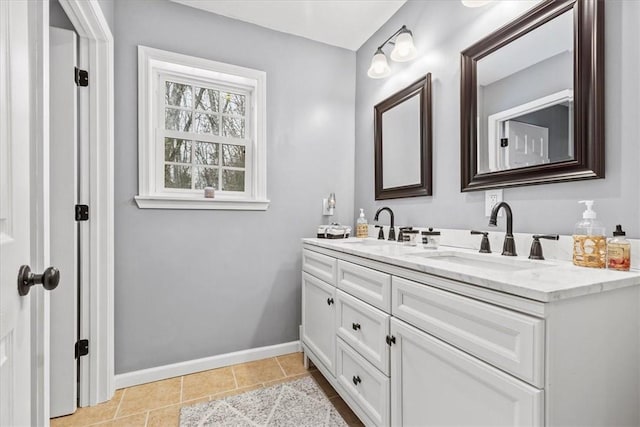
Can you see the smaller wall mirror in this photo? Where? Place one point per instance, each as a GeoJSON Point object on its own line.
{"type": "Point", "coordinates": [403, 143]}
{"type": "Point", "coordinates": [532, 99]}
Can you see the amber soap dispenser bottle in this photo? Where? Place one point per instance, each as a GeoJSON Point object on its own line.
{"type": "Point", "coordinates": [619, 251]}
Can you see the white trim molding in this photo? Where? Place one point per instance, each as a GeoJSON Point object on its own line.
{"type": "Point", "coordinates": [39, 188]}
{"type": "Point", "coordinates": [152, 65]}
{"type": "Point", "coordinates": [96, 123]}
{"type": "Point", "coordinates": [189, 367]}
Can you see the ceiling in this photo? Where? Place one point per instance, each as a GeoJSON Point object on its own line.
{"type": "Point", "coordinates": [342, 23]}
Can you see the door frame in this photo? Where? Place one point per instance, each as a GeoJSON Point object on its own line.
{"type": "Point", "coordinates": [96, 177]}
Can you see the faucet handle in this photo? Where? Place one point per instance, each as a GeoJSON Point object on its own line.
{"type": "Point", "coordinates": [381, 232]}
{"type": "Point", "coordinates": [536, 247]}
{"type": "Point", "coordinates": [401, 233]}
{"type": "Point", "coordinates": [485, 246]}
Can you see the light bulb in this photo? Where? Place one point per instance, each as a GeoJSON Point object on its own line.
{"type": "Point", "coordinates": [379, 66]}
{"type": "Point", "coordinates": [404, 49]}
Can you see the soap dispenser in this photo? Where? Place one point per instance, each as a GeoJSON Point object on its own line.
{"type": "Point", "coordinates": [619, 251]}
{"type": "Point", "coordinates": [362, 226]}
{"type": "Point", "coordinates": [589, 240]}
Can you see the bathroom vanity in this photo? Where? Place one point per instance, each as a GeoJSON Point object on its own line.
{"type": "Point", "coordinates": [416, 337]}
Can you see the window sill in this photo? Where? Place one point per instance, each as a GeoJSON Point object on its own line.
{"type": "Point", "coordinates": [176, 202]}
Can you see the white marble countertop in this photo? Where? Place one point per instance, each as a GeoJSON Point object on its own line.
{"type": "Point", "coordinates": [545, 281]}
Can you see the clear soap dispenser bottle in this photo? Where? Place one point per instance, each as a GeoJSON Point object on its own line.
{"type": "Point", "coordinates": [589, 240]}
{"type": "Point", "coordinates": [362, 226]}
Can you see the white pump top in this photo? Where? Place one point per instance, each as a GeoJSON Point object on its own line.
{"type": "Point", "coordinates": [361, 213]}
{"type": "Point", "coordinates": [589, 213]}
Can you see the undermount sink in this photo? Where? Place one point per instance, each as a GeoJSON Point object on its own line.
{"type": "Point", "coordinates": [482, 261]}
{"type": "Point", "coordinates": [366, 242]}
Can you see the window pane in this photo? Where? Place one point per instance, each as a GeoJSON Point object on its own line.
{"type": "Point", "coordinates": [177, 120]}
{"type": "Point", "coordinates": [233, 155]}
{"type": "Point", "coordinates": [206, 177]}
{"type": "Point", "coordinates": [206, 123]}
{"type": "Point", "coordinates": [233, 103]}
{"type": "Point", "coordinates": [177, 176]}
{"type": "Point", "coordinates": [177, 94]}
{"type": "Point", "coordinates": [233, 127]}
{"type": "Point", "coordinates": [206, 153]}
{"type": "Point", "coordinates": [177, 150]}
{"type": "Point", "coordinates": [232, 180]}
{"type": "Point", "coordinates": [207, 99]}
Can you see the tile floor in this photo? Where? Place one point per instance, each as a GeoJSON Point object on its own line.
{"type": "Point", "coordinates": [159, 403]}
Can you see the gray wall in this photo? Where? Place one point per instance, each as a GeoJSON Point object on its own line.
{"type": "Point", "coordinates": [543, 208]}
{"type": "Point", "coordinates": [192, 284]}
{"type": "Point", "coordinates": [58, 17]}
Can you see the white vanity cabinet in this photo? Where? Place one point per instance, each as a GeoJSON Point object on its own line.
{"type": "Point", "coordinates": [435, 384]}
{"type": "Point", "coordinates": [318, 319]}
{"type": "Point", "coordinates": [407, 348]}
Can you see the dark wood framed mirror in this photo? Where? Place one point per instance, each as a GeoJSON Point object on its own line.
{"type": "Point", "coordinates": [403, 137]}
{"type": "Point", "coordinates": [532, 99]}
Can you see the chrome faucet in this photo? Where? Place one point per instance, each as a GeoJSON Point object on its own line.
{"type": "Point", "coordinates": [392, 233]}
{"type": "Point", "coordinates": [509, 245]}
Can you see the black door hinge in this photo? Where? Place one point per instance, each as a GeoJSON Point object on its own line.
{"type": "Point", "coordinates": [82, 348]}
{"type": "Point", "coordinates": [82, 77]}
{"type": "Point", "coordinates": [391, 340]}
{"type": "Point", "coordinates": [82, 212]}
{"type": "Point", "coordinates": [504, 142]}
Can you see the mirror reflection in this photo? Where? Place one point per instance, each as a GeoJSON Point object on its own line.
{"type": "Point", "coordinates": [401, 147]}
{"type": "Point", "coordinates": [525, 99]}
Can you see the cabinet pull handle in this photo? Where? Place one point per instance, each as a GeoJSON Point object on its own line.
{"type": "Point", "coordinates": [356, 380]}
{"type": "Point", "coordinates": [355, 326]}
{"type": "Point", "coordinates": [329, 301]}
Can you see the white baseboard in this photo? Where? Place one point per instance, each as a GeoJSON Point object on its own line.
{"type": "Point", "coordinates": [191, 366]}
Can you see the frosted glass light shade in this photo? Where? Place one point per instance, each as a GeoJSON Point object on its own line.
{"type": "Point", "coordinates": [404, 49]}
{"type": "Point", "coordinates": [475, 3]}
{"type": "Point", "coordinates": [379, 67]}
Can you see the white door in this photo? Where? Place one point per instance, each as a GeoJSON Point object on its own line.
{"type": "Point", "coordinates": [63, 169]}
{"type": "Point", "coordinates": [528, 145]}
{"type": "Point", "coordinates": [318, 320]}
{"type": "Point", "coordinates": [435, 384]}
{"type": "Point", "coordinates": [15, 310]}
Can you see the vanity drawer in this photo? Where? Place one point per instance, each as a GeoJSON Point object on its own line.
{"type": "Point", "coordinates": [508, 340]}
{"type": "Point", "coordinates": [365, 329]}
{"type": "Point", "coordinates": [367, 386]}
{"type": "Point", "coordinates": [321, 266]}
{"type": "Point", "coordinates": [369, 285]}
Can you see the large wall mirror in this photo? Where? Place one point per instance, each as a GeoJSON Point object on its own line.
{"type": "Point", "coordinates": [403, 142]}
{"type": "Point", "coordinates": [532, 104]}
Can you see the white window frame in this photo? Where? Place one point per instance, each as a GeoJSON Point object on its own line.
{"type": "Point", "coordinates": [154, 67]}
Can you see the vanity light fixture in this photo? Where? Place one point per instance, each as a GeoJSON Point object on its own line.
{"type": "Point", "coordinates": [404, 50]}
{"type": "Point", "coordinates": [475, 3]}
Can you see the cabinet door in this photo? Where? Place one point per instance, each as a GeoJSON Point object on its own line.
{"type": "Point", "coordinates": [318, 319]}
{"type": "Point", "coordinates": [435, 384]}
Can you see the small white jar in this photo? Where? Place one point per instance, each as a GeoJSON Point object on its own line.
{"type": "Point", "coordinates": [431, 239]}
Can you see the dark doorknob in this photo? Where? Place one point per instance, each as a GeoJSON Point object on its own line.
{"type": "Point", "coordinates": [26, 279]}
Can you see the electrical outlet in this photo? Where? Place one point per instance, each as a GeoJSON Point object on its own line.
{"type": "Point", "coordinates": [492, 198]}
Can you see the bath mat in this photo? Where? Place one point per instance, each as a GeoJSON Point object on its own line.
{"type": "Point", "coordinates": [296, 403]}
